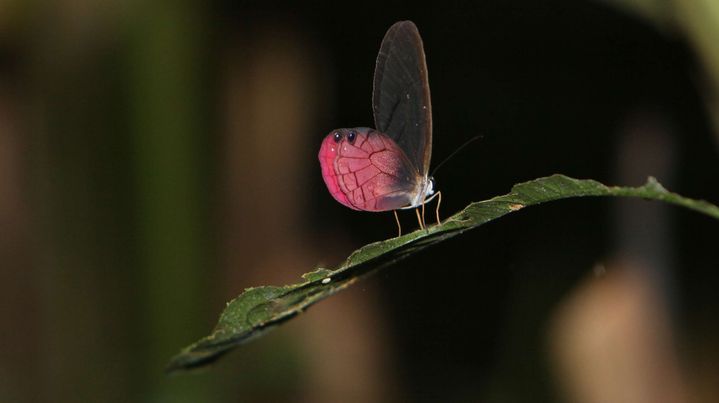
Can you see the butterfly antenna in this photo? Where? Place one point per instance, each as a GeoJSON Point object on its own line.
{"type": "Point", "coordinates": [460, 148]}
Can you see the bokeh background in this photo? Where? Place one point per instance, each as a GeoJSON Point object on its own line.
{"type": "Point", "coordinates": [156, 158]}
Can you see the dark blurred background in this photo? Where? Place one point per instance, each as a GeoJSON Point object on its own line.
{"type": "Point", "coordinates": [156, 158]}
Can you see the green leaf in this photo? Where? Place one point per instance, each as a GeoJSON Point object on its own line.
{"type": "Point", "coordinates": [260, 309]}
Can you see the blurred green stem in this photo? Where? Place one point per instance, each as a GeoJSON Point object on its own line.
{"type": "Point", "coordinates": [167, 105]}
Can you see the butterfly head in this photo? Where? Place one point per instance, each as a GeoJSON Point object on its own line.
{"type": "Point", "coordinates": [430, 186]}
{"type": "Point", "coordinates": [424, 192]}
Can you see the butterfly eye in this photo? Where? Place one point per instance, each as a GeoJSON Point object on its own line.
{"type": "Point", "coordinates": [338, 137]}
{"type": "Point", "coordinates": [351, 136]}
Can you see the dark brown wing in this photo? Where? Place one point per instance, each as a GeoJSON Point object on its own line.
{"type": "Point", "coordinates": [401, 101]}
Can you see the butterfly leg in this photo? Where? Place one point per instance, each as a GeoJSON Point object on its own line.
{"type": "Point", "coordinates": [419, 218]}
{"type": "Point", "coordinates": [399, 226]}
{"type": "Point", "coordinates": [439, 201]}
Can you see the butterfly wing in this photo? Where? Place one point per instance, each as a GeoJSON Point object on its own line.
{"type": "Point", "coordinates": [370, 173]}
{"type": "Point", "coordinates": [401, 100]}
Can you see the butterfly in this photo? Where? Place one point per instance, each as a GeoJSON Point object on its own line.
{"type": "Point", "coordinates": [386, 169]}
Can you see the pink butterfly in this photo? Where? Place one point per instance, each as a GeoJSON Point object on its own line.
{"type": "Point", "coordinates": [387, 169]}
